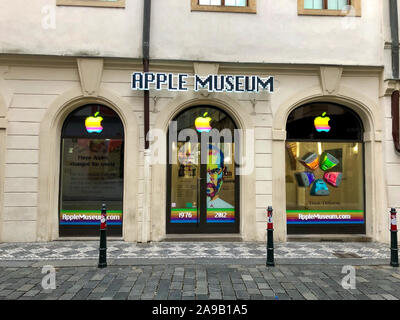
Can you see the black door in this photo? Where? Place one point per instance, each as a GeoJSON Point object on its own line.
{"type": "Point", "coordinates": [203, 188]}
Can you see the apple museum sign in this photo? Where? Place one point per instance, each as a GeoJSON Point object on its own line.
{"type": "Point", "coordinates": [211, 83]}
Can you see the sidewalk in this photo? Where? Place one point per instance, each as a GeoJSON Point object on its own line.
{"type": "Point", "coordinates": [198, 271]}
{"type": "Point", "coordinates": [80, 250]}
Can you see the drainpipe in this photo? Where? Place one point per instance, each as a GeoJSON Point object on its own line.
{"type": "Point", "coordinates": [146, 58]}
{"type": "Point", "coordinates": [394, 28]}
{"type": "Point", "coordinates": [145, 237]}
{"type": "Point", "coordinates": [395, 120]}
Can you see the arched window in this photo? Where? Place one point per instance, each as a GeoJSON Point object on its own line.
{"type": "Point", "coordinates": [324, 170]}
{"type": "Point", "coordinates": [92, 154]}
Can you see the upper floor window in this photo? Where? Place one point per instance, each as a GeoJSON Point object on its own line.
{"type": "Point", "coordinates": [248, 6]}
{"type": "Point", "coordinates": [330, 7]}
{"type": "Point", "coordinates": [232, 3]}
{"type": "Point", "coordinates": [93, 3]}
{"type": "Point", "coordinates": [329, 4]}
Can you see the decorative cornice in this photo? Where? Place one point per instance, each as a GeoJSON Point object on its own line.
{"type": "Point", "coordinates": [90, 73]}
{"type": "Point", "coordinates": [330, 79]}
{"type": "Point", "coordinates": [135, 63]}
{"type": "Point", "coordinates": [389, 86]}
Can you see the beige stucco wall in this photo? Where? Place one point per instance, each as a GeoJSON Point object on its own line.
{"type": "Point", "coordinates": [3, 127]}
{"type": "Point", "coordinates": [276, 33]}
{"type": "Point", "coordinates": [44, 90]}
{"type": "Point", "coordinates": [312, 63]}
{"type": "Point", "coordinates": [391, 156]}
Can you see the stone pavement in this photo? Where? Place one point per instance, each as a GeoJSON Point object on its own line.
{"type": "Point", "coordinates": [201, 282]}
{"type": "Point", "coordinates": [66, 250]}
{"type": "Point", "coordinates": [197, 271]}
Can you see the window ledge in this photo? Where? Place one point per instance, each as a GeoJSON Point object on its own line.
{"type": "Point", "coordinates": [92, 3]}
{"type": "Point", "coordinates": [251, 7]}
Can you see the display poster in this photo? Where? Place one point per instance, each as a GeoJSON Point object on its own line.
{"type": "Point", "coordinates": [324, 183]}
{"type": "Point", "coordinates": [185, 185]}
{"type": "Point", "coordinates": [89, 217]}
{"type": "Point", "coordinates": [220, 215]}
{"type": "Point", "coordinates": [184, 215]}
{"type": "Point", "coordinates": [92, 174]}
{"type": "Point", "coordinates": [325, 216]}
{"type": "Point", "coordinates": [187, 182]}
{"type": "Point", "coordinates": [220, 185]}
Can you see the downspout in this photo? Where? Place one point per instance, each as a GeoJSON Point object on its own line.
{"type": "Point", "coordinates": [146, 58]}
{"type": "Point", "coordinates": [145, 236]}
{"type": "Point", "coordinates": [394, 28]}
{"type": "Point", "coordinates": [395, 120]}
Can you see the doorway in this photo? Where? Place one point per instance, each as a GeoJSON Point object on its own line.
{"type": "Point", "coordinates": [203, 187]}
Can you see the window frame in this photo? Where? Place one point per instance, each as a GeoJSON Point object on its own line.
{"type": "Point", "coordinates": [92, 3]}
{"type": "Point", "coordinates": [250, 8]}
{"type": "Point", "coordinates": [327, 12]}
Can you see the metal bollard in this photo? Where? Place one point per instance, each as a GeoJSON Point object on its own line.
{"type": "Point", "coordinates": [394, 252]}
{"type": "Point", "coordinates": [270, 239]}
{"type": "Point", "coordinates": [103, 238]}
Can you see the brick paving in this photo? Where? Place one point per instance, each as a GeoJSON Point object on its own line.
{"type": "Point", "coordinates": [216, 281]}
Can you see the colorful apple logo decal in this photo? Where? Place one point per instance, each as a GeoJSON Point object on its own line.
{"type": "Point", "coordinates": [322, 123]}
{"type": "Point", "coordinates": [203, 124]}
{"type": "Point", "coordinates": [93, 124]}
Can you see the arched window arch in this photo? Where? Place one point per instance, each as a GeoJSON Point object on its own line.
{"type": "Point", "coordinates": [324, 121]}
{"type": "Point", "coordinates": [92, 154]}
{"type": "Point", "coordinates": [325, 170]}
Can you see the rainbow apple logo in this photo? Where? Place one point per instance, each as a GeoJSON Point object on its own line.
{"type": "Point", "coordinates": [202, 124]}
{"type": "Point", "coordinates": [322, 123]}
{"type": "Point", "coordinates": [93, 124]}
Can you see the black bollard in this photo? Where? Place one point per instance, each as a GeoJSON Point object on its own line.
{"type": "Point", "coordinates": [103, 238]}
{"type": "Point", "coordinates": [394, 252]}
{"type": "Point", "coordinates": [270, 239]}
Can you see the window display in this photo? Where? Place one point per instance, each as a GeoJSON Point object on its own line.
{"type": "Point", "coordinates": [91, 172]}
{"type": "Point", "coordinates": [324, 173]}
{"type": "Point", "coordinates": [203, 183]}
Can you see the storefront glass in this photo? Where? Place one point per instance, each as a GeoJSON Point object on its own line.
{"type": "Point", "coordinates": [203, 185]}
{"type": "Point", "coordinates": [324, 171]}
{"type": "Point", "coordinates": [91, 172]}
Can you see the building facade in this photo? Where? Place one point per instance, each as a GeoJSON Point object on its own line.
{"type": "Point", "coordinates": [317, 146]}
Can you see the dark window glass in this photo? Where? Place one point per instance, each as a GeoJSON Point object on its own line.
{"type": "Point", "coordinates": [219, 119]}
{"type": "Point", "coordinates": [92, 152]}
{"type": "Point", "coordinates": [312, 122]}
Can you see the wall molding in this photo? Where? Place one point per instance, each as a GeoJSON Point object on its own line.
{"type": "Point", "coordinates": [90, 73]}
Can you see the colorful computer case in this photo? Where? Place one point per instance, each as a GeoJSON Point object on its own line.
{"type": "Point", "coordinates": [333, 178]}
{"type": "Point", "coordinates": [327, 161]}
{"type": "Point", "coordinates": [319, 188]}
{"type": "Point", "coordinates": [304, 179]}
{"type": "Point", "coordinates": [310, 161]}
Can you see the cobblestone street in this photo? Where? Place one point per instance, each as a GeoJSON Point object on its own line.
{"type": "Point", "coordinates": [201, 282]}
{"type": "Point", "coordinates": [303, 271]}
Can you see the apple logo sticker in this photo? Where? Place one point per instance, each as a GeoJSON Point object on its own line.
{"type": "Point", "coordinates": [322, 123]}
{"type": "Point", "coordinates": [93, 124]}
